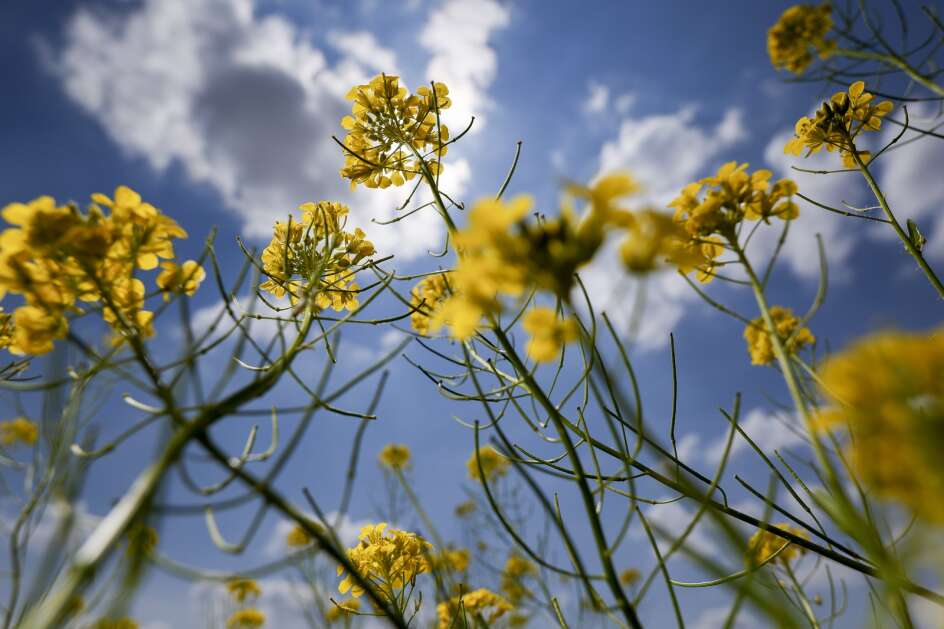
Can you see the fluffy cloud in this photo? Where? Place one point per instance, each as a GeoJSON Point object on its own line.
{"type": "Point", "coordinates": [598, 98]}
{"type": "Point", "coordinates": [244, 103]}
{"type": "Point", "coordinates": [673, 517]}
{"type": "Point", "coordinates": [768, 431]}
{"type": "Point", "coordinates": [665, 152]}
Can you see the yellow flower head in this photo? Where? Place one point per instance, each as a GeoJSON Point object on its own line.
{"type": "Point", "coordinates": [6, 329]}
{"type": "Point", "coordinates": [494, 464]}
{"type": "Point", "coordinates": [298, 537]}
{"type": "Point", "coordinates": [629, 576]}
{"type": "Point", "coordinates": [392, 134]}
{"type": "Point", "coordinates": [426, 298]}
{"type": "Point", "coordinates": [35, 329]}
{"type": "Point", "coordinates": [759, 345]}
{"type": "Point", "coordinates": [19, 430]}
{"type": "Point", "coordinates": [888, 391]}
{"type": "Point", "coordinates": [763, 544]}
{"type": "Point", "coordinates": [483, 605]}
{"type": "Point", "coordinates": [246, 618]}
{"type": "Point", "coordinates": [548, 333]}
{"type": "Point", "coordinates": [395, 456]}
{"type": "Point", "coordinates": [452, 560]}
{"type": "Point", "coordinates": [115, 623]}
{"type": "Point", "coordinates": [654, 237]}
{"type": "Point", "coordinates": [242, 589]}
{"type": "Point", "coordinates": [465, 509]}
{"type": "Point", "coordinates": [516, 570]}
{"type": "Point", "coordinates": [342, 610]}
{"type": "Point", "coordinates": [180, 278]}
{"type": "Point", "coordinates": [388, 557]}
{"type": "Point", "coordinates": [800, 31]}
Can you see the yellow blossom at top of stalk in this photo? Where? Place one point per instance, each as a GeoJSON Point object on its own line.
{"type": "Point", "coordinates": [115, 623]}
{"type": "Point", "coordinates": [19, 430]}
{"type": "Point", "coordinates": [759, 345]}
{"type": "Point", "coordinates": [315, 255]}
{"type": "Point", "coordinates": [452, 559]}
{"type": "Point", "coordinates": [343, 610]}
{"type": "Point", "coordinates": [392, 134]}
{"type": "Point", "coordinates": [653, 238]}
{"type": "Point", "coordinates": [763, 544]}
{"type": "Point", "coordinates": [242, 589]}
{"type": "Point", "coordinates": [180, 278]}
{"type": "Point", "coordinates": [516, 570]}
{"type": "Point", "coordinates": [887, 390]}
{"type": "Point", "coordinates": [389, 558]}
{"type": "Point", "coordinates": [494, 464]}
{"type": "Point", "coordinates": [426, 298]}
{"type": "Point", "coordinates": [838, 123]}
{"type": "Point", "coordinates": [800, 32]}
{"type": "Point", "coordinates": [548, 333]}
{"type": "Point", "coordinates": [6, 328]}
{"type": "Point", "coordinates": [246, 618]}
{"type": "Point", "coordinates": [482, 605]}
{"type": "Point", "coordinates": [394, 456]}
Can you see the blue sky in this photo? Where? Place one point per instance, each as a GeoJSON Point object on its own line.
{"type": "Point", "coordinates": [220, 112]}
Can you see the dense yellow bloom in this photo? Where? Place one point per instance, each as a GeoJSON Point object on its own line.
{"type": "Point", "coordinates": [395, 456]}
{"type": "Point", "coordinates": [516, 569]}
{"type": "Point", "coordinates": [837, 124]}
{"type": "Point", "coordinates": [298, 537]}
{"type": "Point", "coordinates": [6, 328]}
{"type": "Point", "coordinates": [709, 210]}
{"type": "Point", "coordinates": [389, 558]}
{"type": "Point", "coordinates": [763, 544]}
{"type": "Point", "coordinates": [392, 133]}
{"type": "Point", "coordinates": [493, 464]}
{"type": "Point", "coordinates": [759, 345]}
{"type": "Point", "coordinates": [888, 391]}
{"type": "Point", "coordinates": [241, 589]}
{"type": "Point", "coordinates": [180, 278]}
{"type": "Point", "coordinates": [629, 576]}
{"type": "Point", "coordinates": [652, 238]}
{"type": "Point", "coordinates": [426, 298]}
{"type": "Point", "coordinates": [480, 604]}
{"type": "Point", "coordinates": [246, 618]}
{"type": "Point", "coordinates": [115, 623]}
{"type": "Point", "coordinates": [35, 329]}
{"type": "Point", "coordinates": [342, 610]}
{"type": "Point", "coordinates": [19, 430]}
{"type": "Point", "coordinates": [452, 559]}
{"type": "Point", "coordinates": [315, 254]}
{"type": "Point", "coordinates": [548, 333]}
{"type": "Point", "coordinates": [800, 31]}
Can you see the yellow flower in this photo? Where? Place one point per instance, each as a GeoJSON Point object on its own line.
{"type": "Point", "coordinates": [483, 605]}
{"type": "Point", "coordinates": [115, 623]}
{"type": "Point", "coordinates": [246, 618]}
{"type": "Point", "coordinates": [127, 295]}
{"type": "Point", "coordinates": [6, 328]}
{"type": "Point", "coordinates": [494, 464]}
{"type": "Point", "coordinates": [548, 334]}
{"type": "Point", "coordinates": [763, 544]}
{"type": "Point", "coordinates": [35, 329]}
{"type": "Point", "coordinates": [452, 559]}
{"type": "Point", "coordinates": [465, 509]}
{"type": "Point", "coordinates": [888, 391]}
{"type": "Point", "coordinates": [759, 345]}
{"type": "Point", "coordinates": [653, 237]}
{"type": "Point", "coordinates": [426, 298]}
{"type": "Point", "coordinates": [298, 537]}
{"type": "Point", "coordinates": [180, 278]}
{"type": "Point", "coordinates": [241, 589]}
{"type": "Point", "coordinates": [517, 568]}
{"type": "Point", "coordinates": [395, 456]}
{"type": "Point", "coordinates": [389, 558]}
{"type": "Point", "coordinates": [19, 430]}
{"type": "Point", "coordinates": [801, 28]}
{"type": "Point", "coordinates": [147, 233]}
{"type": "Point", "coordinates": [342, 610]}
{"type": "Point", "coordinates": [392, 133]}
{"type": "Point", "coordinates": [629, 576]}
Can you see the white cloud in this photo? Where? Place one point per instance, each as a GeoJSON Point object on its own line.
{"type": "Point", "coordinates": [244, 103]}
{"type": "Point", "coordinates": [671, 519]}
{"type": "Point", "coordinates": [664, 152]}
{"type": "Point", "coordinates": [598, 98]}
{"type": "Point", "coordinates": [457, 34]}
{"type": "Point", "coordinates": [768, 431]}
{"type": "Point", "coordinates": [688, 446]}
{"type": "Point", "coordinates": [364, 48]}
{"type": "Point", "coordinates": [624, 103]}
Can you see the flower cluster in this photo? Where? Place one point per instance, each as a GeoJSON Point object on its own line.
{"type": "Point", "coordinates": [392, 134]}
{"type": "Point", "coordinates": [452, 560]}
{"type": "Point", "coordinates": [763, 544]}
{"type": "Point", "coordinates": [389, 558]}
{"type": "Point", "coordinates": [242, 589]}
{"type": "Point", "coordinates": [19, 430]}
{"type": "Point", "coordinates": [246, 618]}
{"type": "Point", "coordinates": [55, 257]}
{"type": "Point", "coordinates": [888, 390]}
{"type": "Point", "coordinates": [837, 124]}
{"type": "Point", "coordinates": [483, 605]}
{"type": "Point", "coordinates": [759, 344]}
{"type": "Point", "coordinates": [394, 456]}
{"type": "Point", "coordinates": [516, 570]}
{"type": "Point", "coordinates": [425, 299]}
{"type": "Point", "coordinates": [115, 623]}
{"type": "Point", "coordinates": [710, 210]}
{"type": "Point", "coordinates": [629, 576]}
{"type": "Point", "coordinates": [315, 256]}
{"type": "Point", "coordinates": [548, 333]}
{"type": "Point", "coordinates": [494, 464]}
{"type": "Point", "coordinates": [298, 537]}
{"type": "Point", "coordinates": [800, 31]}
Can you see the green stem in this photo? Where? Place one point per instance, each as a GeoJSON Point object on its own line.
{"type": "Point", "coordinates": [895, 62]}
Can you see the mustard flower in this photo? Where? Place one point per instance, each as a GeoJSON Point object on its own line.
{"type": "Point", "coordinates": [759, 345]}
{"type": "Point", "coordinates": [516, 570]}
{"type": "Point", "coordinates": [115, 623]}
{"type": "Point", "coordinates": [763, 544]}
{"type": "Point", "coordinates": [242, 589]}
{"type": "Point", "coordinates": [887, 390]}
{"type": "Point", "coordinates": [629, 576]}
{"type": "Point", "coordinates": [426, 298]}
{"type": "Point", "coordinates": [392, 134]}
{"type": "Point", "coordinates": [35, 329]}
{"type": "Point", "coordinates": [246, 618]}
{"type": "Point", "coordinates": [838, 123]}
{"type": "Point", "coordinates": [19, 430]}
{"type": "Point", "coordinates": [180, 278]}
{"type": "Point", "coordinates": [6, 328]}
{"type": "Point", "coordinates": [298, 537]}
{"type": "Point", "coordinates": [800, 31]}
{"type": "Point", "coordinates": [452, 560]}
{"type": "Point", "coordinates": [394, 456]}
{"type": "Point", "coordinates": [465, 509]}
{"type": "Point", "coordinates": [388, 557]}
{"type": "Point", "coordinates": [548, 333]}
{"type": "Point", "coordinates": [652, 238]}
{"type": "Point", "coordinates": [481, 604]}
{"type": "Point", "coordinates": [494, 464]}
